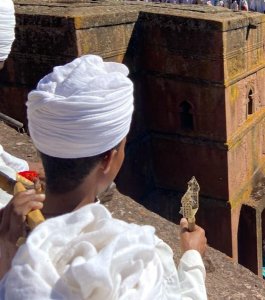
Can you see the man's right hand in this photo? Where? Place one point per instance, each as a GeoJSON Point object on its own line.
{"type": "Point", "coordinates": [13, 225]}
{"type": "Point", "coordinates": [13, 216]}
{"type": "Point", "coordinates": [194, 240]}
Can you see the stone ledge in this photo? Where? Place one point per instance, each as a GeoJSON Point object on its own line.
{"type": "Point", "coordinates": [225, 279]}
{"type": "Point", "coordinates": [111, 11]}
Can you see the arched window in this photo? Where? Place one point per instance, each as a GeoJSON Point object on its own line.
{"type": "Point", "coordinates": [250, 103]}
{"type": "Point", "coordinates": [186, 117]}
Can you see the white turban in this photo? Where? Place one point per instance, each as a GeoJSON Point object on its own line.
{"type": "Point", "coordinates": [81, 109]}
{"type": "Point", "coordinates": [7, 25]}
{"type": "Point", "coordinates": [89, 255]}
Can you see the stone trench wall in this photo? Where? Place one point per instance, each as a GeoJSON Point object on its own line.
{"type": "Point", "coordinates": [208, 59]}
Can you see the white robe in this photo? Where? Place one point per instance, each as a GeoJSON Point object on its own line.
{"type": "Point", "coordinates": [87, 254]}
{"type": "Point", "coordinates": [10, 165]}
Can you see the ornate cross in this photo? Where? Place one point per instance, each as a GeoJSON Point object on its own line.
{"type": "Point", "coordinates": [190, 202]}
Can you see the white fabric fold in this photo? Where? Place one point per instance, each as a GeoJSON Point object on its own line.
{"type": "Point", "coordinates": [10, 165]}
{"type": "Point", "coordinates": [81, 109]}
{"type": "Point", "coordinates": [192, 274]}
{"type": "Point", "coordinates": [7, 25]}
{"type": "Point", "coordinates": [87, 254]}
{"type": "Point", "coordinates": [14, 163]}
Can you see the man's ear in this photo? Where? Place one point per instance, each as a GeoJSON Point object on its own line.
{"type": "Point", "coordinates": [108, 160]}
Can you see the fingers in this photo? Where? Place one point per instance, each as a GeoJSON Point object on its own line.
{"type": "Point", "coordinates": [28, 203]}
{"type": "Point", "coordinates": [199, 230]}
{"type": "Point", "coordinates": [23, 197]}
{"type": "Point", "coordinates": [183, 223]}
{"type": "Point", "coordinates": [192, 240]}
{"type": "Point", "coordinates": [185, 226]}
{"type": "Point", "coordinates": [23, 210]}
{"type": "Point", "coordinates": [12, 223]}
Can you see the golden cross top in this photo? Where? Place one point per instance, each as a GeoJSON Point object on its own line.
{"type": "Point", "coordinates": [190, 202]}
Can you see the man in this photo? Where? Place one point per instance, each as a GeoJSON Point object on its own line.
{"type": "Point", "coordinates": [79, 117]}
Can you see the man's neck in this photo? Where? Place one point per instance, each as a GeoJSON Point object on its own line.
{"type": "Point", "coordinates": [58, 204]}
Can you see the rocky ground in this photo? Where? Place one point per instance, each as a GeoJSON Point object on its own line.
{"type": "Point", "coordinates": [17, 143]}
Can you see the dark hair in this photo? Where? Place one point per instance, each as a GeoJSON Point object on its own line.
{"type": "Point", "coordinates": [65, 174]}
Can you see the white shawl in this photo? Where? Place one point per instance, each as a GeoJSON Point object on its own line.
{"type": "Point", "coordinates": [89, 255]}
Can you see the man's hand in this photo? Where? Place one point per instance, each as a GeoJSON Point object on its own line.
{"type": "Point", "coordinates": [13, 225]}
{"type": "Point", "coordinates": [13, 216]}
{"type": "Point", "coordinates": [194, 240]}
